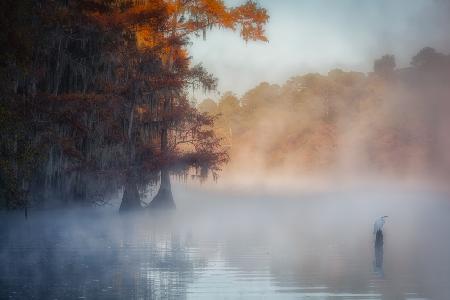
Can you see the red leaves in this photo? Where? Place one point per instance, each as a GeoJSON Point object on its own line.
{"type": "Point", "coordinates": [105, 86]}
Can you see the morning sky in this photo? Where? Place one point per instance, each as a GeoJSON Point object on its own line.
{"type": "Point", "coordinates": [318, 35]}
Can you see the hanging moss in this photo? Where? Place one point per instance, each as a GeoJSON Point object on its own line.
{"type": "Point", "coordinates": [97, 108]}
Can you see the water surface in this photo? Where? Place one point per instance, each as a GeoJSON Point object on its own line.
{"type": "Point", "coordinates": [309, 246]}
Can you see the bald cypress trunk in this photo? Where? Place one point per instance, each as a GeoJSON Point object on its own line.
{"type": "Point", "coordinates": [164, 198]}
{"type": "Point", "coordinates": [131, 201]}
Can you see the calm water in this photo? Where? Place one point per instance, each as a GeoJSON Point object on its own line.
{"type": "Point", "coordinates": [315, 246]}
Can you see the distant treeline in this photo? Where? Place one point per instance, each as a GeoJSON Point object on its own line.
{"type": "Point", "coordinates": [390, 120]}
{"type": "Point", "coordinates": [93, 97]}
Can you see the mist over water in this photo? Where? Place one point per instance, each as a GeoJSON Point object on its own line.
{"type": "Point", "coordinates": [315, 158]}
{"type": "Point", "coordinates": [261, 245]}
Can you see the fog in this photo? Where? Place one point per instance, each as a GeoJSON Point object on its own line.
{"type": "Point", "coordinates": [341, 128]}
{"type": "Point", "coordinates": [317, 36]}
{"type": "Point", "coordinates": [322, 141]}
{"type": "Point", "coordinates": [383, 130]}
{"type": "Point", "coordinates": [217, 245]}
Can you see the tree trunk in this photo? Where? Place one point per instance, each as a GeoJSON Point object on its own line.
{"type": "Point", "coordinates": [164, 198]}
{"type": "Point", "coordinates": [131, 200]}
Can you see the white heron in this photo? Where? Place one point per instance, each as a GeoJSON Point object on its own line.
{"type": "Point", "coordinates": [378, 226]}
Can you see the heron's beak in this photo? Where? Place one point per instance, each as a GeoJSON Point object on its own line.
{"type": "Point", "coordinates": [385, 216]}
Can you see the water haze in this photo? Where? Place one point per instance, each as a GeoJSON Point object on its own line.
{"type": "Point", "coordinates": [235, 245]}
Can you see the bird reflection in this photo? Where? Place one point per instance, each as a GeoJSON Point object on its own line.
{"type": "Point", "coordinates": [378, 246]}
{"type": "Point", "coordinates": [378, 254]}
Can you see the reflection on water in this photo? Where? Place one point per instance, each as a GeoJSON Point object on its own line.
{"type": "Point", "coordinates": [246, 249]}
{"type": "Point", "coordinates": [378, 254]}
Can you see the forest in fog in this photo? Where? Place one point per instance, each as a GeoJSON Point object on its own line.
{"type": "Point", "coordinates": [94, 98]}
{"type": "Point", "coordinates": [224, 149]}
{"type": "Point", "coordinates": [96, 101]}
{"type": "Point", "coordinates": [391, 121]}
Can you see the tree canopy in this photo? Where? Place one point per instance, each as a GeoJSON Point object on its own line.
{"type": "Point", "coordinates": [94, 96]}
{"type": "Point", "coordinates": [391, 120]}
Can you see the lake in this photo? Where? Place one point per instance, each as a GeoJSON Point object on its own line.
{"type": "Point", "coordinates": [216, 245]}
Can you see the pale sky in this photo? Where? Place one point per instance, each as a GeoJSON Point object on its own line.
{"type": "Point", "coordinates": [319, 35]}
